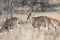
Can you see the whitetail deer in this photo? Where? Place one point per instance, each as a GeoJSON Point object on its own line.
{"type": "Point", "coordinates": [39, 21]}
{"type": "Point", "coordinates": [10, 24]}
{"type": "Point", "coordinates": [43, 21]}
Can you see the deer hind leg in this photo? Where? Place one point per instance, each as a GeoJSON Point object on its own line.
{"type": "Point", "coordinates": [56, 31]}
{"type": "Point", "coordinates": [52, 30]}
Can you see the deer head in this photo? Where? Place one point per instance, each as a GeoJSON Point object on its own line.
{"type": "Point", "coordinates": [30, 18]}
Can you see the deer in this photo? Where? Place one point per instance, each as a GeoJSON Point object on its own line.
{"type": "Point", "coordinates": [10, 23]}
{"type": "Point", "coordinates": [51, 25]}
{"type": "Point", "coordinates": [38, 22]}
{"type": "Point", "coordinates": [44, 22]}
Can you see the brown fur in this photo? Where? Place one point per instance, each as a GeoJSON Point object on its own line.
{"type": "Point", "coordinates": [41, 21]}
{"type": "Point", "coordinates": [9, 24]}
{"type": "Point", "coordinates": [55, 22]}
{"type": "Point", "coordinates": [44, 21]}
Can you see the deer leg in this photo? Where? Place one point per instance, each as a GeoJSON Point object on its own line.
{"type": "Point", "coordinates": [33, 25]}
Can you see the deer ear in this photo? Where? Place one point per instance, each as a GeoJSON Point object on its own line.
{"type": "Point", "coordinates": [32, 15]}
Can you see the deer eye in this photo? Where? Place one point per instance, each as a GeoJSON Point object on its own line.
{"type": "Point", "coordinates": [6, 27]}
{"type": "Point", "coordinates": [44, 25]}
{"type": "Point", "coordinates": [18, 22]}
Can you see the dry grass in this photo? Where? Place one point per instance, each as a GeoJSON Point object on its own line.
{"type": "Point", "coordinates": [26, 31]}
{"type": "Point", "coordinates": [55, 1]}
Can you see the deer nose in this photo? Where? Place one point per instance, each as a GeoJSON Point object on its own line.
{"type": "Point", "coordinates": [19, 23]}
{"type": "Point", "coordinates": [26, 22]}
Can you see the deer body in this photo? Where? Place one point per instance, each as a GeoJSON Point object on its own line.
{"type": "Point", "coordinates": [43, 21]}
{"type": "Point", "coordinates": [39, 22]}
